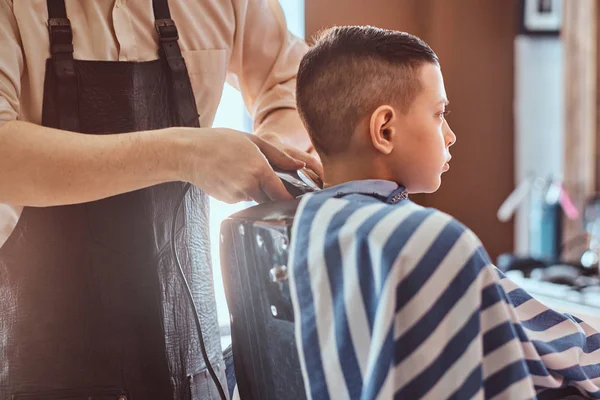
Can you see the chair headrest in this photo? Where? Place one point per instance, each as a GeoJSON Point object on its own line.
{"type": "Point", "coordinates": [271, 211]}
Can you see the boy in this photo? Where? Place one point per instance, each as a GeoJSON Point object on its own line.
{"type": "Point", "coordinates": [393, 300]}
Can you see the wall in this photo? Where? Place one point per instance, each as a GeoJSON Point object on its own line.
{"type": "Point", "coordinates": [474, 40]}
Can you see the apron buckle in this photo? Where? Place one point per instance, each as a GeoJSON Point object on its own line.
{"type": "Point", "coordinates": [167, 31]}
{"type": "Point", "coordinates": [61, 35]}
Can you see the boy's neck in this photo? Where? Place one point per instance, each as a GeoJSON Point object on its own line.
{"type": "Point", "coordinates": [342, 171]}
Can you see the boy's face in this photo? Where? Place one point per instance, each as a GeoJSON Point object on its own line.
{"type": "Point", "coordinates": [421, 145]}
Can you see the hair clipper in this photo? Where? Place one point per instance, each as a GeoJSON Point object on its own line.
{"type": "Point", "coordinates": [299, 182]}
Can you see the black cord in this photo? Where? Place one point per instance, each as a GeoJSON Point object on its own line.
{"type": "Point", "coordinates": [188, 291]}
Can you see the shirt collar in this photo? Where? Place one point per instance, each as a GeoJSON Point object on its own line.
{"type": "Point", "coordinates": [388, 191]}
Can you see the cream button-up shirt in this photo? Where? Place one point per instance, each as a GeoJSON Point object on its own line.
{"type": "Point", "coordinates": [244, 42]}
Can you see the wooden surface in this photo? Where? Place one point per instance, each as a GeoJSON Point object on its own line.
{"type": "Point", "coordinates": [581, 126]}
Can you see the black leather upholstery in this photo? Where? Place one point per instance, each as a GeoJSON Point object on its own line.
{"type": "Point", "coordinates": [254, 242]}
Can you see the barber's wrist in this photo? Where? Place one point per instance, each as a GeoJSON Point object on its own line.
{"type": "Point", "coordinates": [174, 147]}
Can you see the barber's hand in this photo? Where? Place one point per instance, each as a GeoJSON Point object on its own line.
{"type": "Point", "coordinates": [312, 161]}
{"type": "Point", "coordinates": [233, 166]}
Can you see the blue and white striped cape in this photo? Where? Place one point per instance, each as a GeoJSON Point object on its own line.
{"type": "Point", "coordinates": [400, 301]}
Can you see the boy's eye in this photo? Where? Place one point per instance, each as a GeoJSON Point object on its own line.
{"type": "Point", "coordinates": [444, 113]}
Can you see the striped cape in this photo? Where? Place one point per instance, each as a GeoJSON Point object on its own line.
{"type": "Point", "coordinates": [397, 301]}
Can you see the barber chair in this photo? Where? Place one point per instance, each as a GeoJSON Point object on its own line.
{"type": "Point", "coordinates": [254, 255]}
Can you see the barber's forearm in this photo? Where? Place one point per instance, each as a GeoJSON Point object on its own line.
{"type": "Point", "coordinates": [285, 124]}
{"type": "Point", "coordinates": [40, 166]}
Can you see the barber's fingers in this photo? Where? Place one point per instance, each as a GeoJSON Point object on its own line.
{"type": "Point", "coordinates": [314, 177]}
{"type": "Point", "coordinates": [255, 193]}
{"type": "Point", "coordinates": [262, 183]}
{"type": "Point", "coordinates": [276, 157]}
{"type": "Point", "coordinates": [258, 196]}
{"type": "Point", "coordinates": [311, 162]}
{"type": "Point", "coordinates": [273, 188]}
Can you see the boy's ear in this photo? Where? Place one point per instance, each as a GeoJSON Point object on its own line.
{"type": "Point", "coordinates": [382, 128]}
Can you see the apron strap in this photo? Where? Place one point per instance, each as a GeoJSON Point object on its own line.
{"type": "Point", "coordinates": [61, 53]}
{"type": "Point", "coordinates": [182, 92]}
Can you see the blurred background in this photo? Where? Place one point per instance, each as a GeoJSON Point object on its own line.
{"type": "Point", "coordinates": [521, 76]}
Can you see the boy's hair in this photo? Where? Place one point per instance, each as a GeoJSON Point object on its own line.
{"type": "Point", "coordinates": [349, 72]}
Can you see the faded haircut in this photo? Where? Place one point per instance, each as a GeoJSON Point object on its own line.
{"type": "Point", "coordinates": [349, 72]}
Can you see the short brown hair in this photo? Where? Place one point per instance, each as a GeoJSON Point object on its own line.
{"type": "Point", "coordinates": [349, 72]}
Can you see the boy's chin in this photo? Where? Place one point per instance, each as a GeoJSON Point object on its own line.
{"type": "Point", "coordinates": [427, 188]}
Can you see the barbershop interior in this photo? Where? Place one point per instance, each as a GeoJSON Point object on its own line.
{"type": "Point", "coordinates": [263, 200]}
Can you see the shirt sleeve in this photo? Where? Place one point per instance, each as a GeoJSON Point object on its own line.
{"type": "Point", "coordinates": [11, 63]}
{"type": "Point", "coordinates": [265, 58]}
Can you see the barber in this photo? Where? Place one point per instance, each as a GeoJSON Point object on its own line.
{"type": "Point", "coordinates": [105, 113]}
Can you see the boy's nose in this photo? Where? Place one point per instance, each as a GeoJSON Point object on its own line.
{"type": "Point", "coordinates": [450, 136]}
